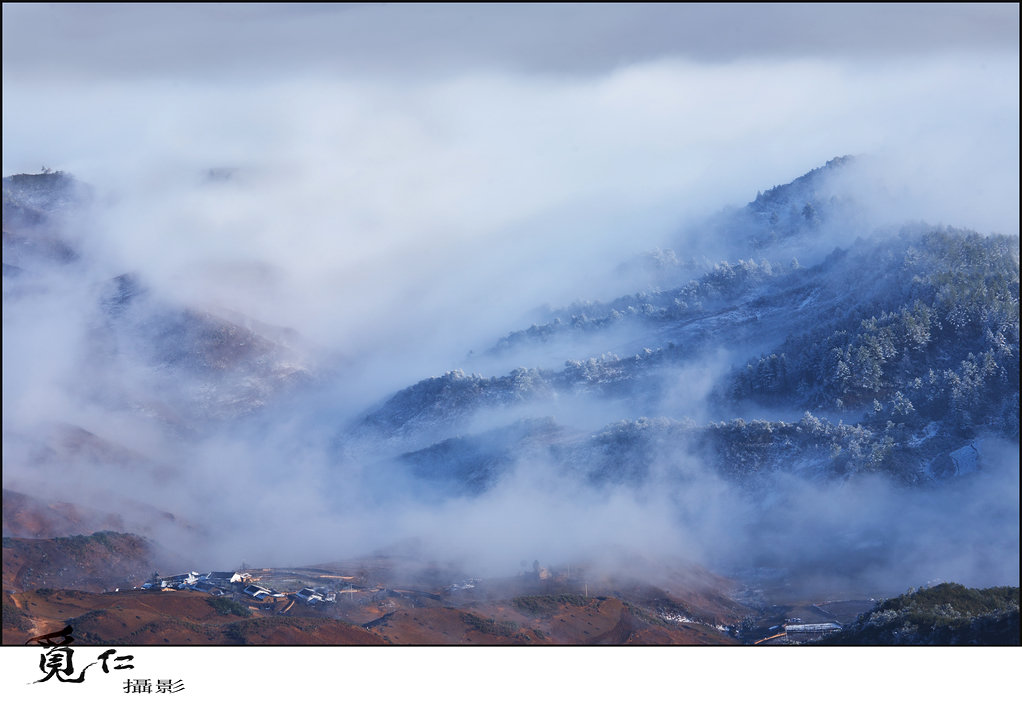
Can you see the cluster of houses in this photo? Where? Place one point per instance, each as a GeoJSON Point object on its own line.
{"type": "Point", "coordinates": [220, 583]}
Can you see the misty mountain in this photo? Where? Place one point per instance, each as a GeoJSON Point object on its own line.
{"type": "Point", "coordinates": [32, 233]}
{"type": "Point", "coordinates": [402, 302]}
{"type": "Point", "coordinates": [473, 464]}
{"type": "Point", "coordinates": [922, 355]}
{"type": "Point", "coordinates": [143, 350]}
{"type": "Point", "coordinates": [230, 367]}
{"type": "Point", "coordinates": [821, 416]}
{"type": "Point", "coordinates": [795, 212]}
{"type": "Point", "coordinates": [33, 199]}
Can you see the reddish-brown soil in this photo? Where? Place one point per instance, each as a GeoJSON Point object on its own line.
{"type": "Point", "coordinates": [97, 562]}
{"type": "Point", "coordinates": [165, 618]}
{"type": "Point", "coordinates": [187, 618]}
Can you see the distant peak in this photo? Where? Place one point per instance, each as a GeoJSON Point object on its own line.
{"type": "Point", "coordinates": [47, 178]}
{"type": "Point", "coordinates": [46, 191]}
{"type": "Point", "coordinates": [804, 182]}
{"type": "Point", "coordinates": [840, 161]}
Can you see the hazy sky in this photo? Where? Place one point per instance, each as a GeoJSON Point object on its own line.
{"type": "Point", "coordinates": [199, 41]}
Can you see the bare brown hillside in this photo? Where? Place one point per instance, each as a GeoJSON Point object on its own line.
{"type": "Point", "coordinates": [97, 562]}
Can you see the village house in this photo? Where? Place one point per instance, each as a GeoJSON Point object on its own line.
{"type": "Point", "coordinates": [164, 584]}
{"type": "Point", "coordinates": [220, 578]}
{"type": "Point", "coordinates": [309, 596]}
{"type": "Point", "coordinates": [190, 580]}
{"type": "Point", "coordinates": [207, 587]}
{"type": "Point", "coordinates": [257, 592]}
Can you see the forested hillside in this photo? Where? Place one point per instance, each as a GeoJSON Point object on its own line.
{"type": "Point", "coordinates": [914, 337]}
{"type": "Point", "coordinates": [947, 614]}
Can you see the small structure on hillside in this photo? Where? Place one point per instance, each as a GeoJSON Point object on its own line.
{"type": "Point", "coordinates": [309, 596]}
{"type": "Point", "coordinates": [257, 592]}
{"type": "Point", "coordinates": [209, 587]}
{"type": "Point", "coordinates": [219, 577]}
{"type": "Point", "coordinates": [793, 632]}
{"type": "Point", "coordinates": [466, 585]}
{"type": "Point", "coordinates": [808, 632]}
